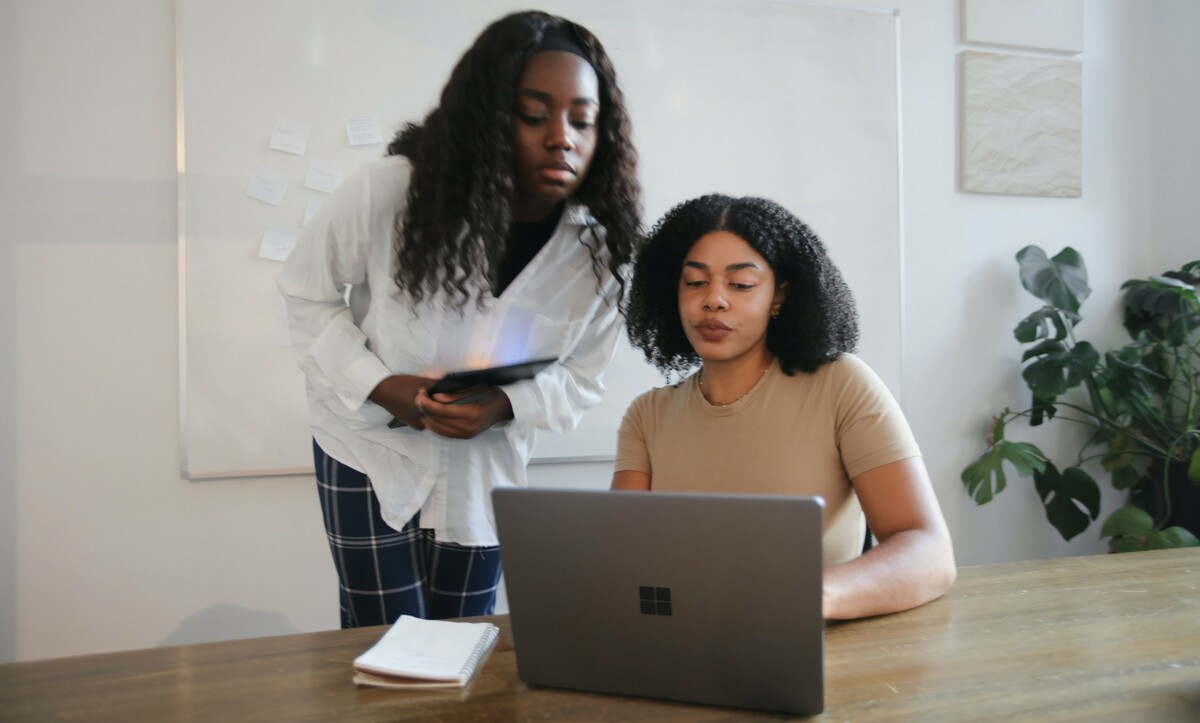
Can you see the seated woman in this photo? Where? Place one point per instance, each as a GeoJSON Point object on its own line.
{"type": "Point", "coordinates": [745, 290]}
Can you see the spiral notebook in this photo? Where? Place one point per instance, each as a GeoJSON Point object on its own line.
{"type": "Point", "coordinates": [416, 653]}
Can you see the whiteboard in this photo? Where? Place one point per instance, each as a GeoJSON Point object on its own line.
{"type": "Point", "coordinates": [793, 102]}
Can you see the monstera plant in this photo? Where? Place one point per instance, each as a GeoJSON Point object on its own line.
{"type": "Point", "coordinates": [1140, 404]}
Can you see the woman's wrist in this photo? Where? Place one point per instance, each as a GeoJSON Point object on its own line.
{"type": "Point", "coordinates": [501, 407]}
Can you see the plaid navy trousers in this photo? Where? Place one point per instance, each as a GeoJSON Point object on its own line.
{"type": "Point", "coordinates": [384, 573]}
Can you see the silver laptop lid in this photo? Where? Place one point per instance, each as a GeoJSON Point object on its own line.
{"type": "Point", "coordinates": [706, 598]}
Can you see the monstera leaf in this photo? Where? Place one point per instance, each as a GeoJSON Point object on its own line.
{"type": "Point", "coordinates": [1061, 281]}
{"type": "Point", "coordinates": [1071, 498]}
{"type": "Point", "coordinates": [1163, 307]}
{"type": "Point", "coordinates": [984, 478]}
{"type": "Point", "coordinates": [1057, 367]}
{"type": "Point", "coordinates": [1122, 453]}
{"type": "Point", "coordinates": [1045, 323]}
{"type": "Point", "coordinates": [1128, 373]}
{"type": "Point", "coordinates": [1131, 529]}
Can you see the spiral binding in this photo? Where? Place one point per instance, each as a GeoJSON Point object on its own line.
{"type": "Point", "coordinates": [482, 648]}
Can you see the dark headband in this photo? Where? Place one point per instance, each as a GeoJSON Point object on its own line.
{"type": "Point", "coordinates": [562, 37]}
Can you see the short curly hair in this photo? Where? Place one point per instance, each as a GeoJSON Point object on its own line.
{"type": "Point", "coordinates": [463, 166]}
{"type": "Point", "coordinates": [817, 322]}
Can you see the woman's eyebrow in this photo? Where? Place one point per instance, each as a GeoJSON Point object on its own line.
{"type": "Point", "coordinates": [731, 267]}
{"type": "Point", "coordinates": [548, 98]}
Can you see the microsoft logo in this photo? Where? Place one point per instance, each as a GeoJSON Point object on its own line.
{"type": "Point", "coordinates": [655, 600]}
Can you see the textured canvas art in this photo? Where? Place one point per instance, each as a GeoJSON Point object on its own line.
{"type": "Point", "coordinates": [1022, 125]}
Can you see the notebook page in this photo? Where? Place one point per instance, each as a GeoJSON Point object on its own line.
{"type": "Point", "coordinates": [436, 650]}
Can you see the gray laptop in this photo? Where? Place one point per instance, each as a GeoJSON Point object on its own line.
{"type": "Point", "coordinates": [712, 599]}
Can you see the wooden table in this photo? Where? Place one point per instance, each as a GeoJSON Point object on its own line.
{"type": "Point", "coordinates": [1109, 637]}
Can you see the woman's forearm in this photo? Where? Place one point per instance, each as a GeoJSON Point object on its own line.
{"type": "Point", "coordinates": [908, 569]}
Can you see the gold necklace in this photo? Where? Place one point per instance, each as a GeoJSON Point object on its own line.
{"type": "Point", "coordinates": [704, 389]}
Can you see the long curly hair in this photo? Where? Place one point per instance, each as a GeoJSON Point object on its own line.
{"type": "Point", "coordinates": [817, 322]}
{"type": "Point", "coordinates": [463, 167]}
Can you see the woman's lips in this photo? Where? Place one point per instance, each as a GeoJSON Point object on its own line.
{"type": "Point", "coordinates": [713, 331]}
{"type": "Point", "coordinates": [710, 334]}
{"type": "Point", "coordinates": [557, 173]}
{"type": "Point", "coordinates": [554, 175]}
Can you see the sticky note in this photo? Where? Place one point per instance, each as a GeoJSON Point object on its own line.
{"type": "Point", "coordinates": [363, 130]}
{"type": "Point", "coordinates": [277, 244]}
{"type": "Point", "coordinates": [268, 186]}
{"type": "Point", "coordinates": [324, 177]}
{"type": "Point", "coordinates": [290, 137]}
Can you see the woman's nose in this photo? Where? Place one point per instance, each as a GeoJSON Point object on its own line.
{"type": "Point", "coordinates": [714, 300]}
{"type": "Point", "coordinates": [558, 134]}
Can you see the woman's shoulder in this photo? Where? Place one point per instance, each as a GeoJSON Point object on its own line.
{"type": "Point", "coordinates": [849, 365]}
{"type": "Point", "coordinates": [383, 178]}
{"type": "Point", "coordinates": [844, 366]}
{"type": "Point", "coordinates": [656, 400]}
{"type": "Point", "coordinates": [388, 172]}
{"type": "Point", "coordinates": [376, 188]}
{"type": "Point", "coordinates": [845, 373]}
{"type": "Point", "coordinates": [849, 378]}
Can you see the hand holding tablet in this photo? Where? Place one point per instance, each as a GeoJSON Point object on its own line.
{"type": "Point", "coordinates": [490, 377]}
{"type": "Point", "coordinates": [484, 379]}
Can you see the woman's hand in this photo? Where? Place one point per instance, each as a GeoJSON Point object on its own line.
{"type": "Point", "coordinates": [464, 414]}
{"type": "Point", "coordinates": [398, 395]}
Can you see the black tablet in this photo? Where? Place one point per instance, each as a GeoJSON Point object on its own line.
{"type": "Point", "coordinates": [491, 377]}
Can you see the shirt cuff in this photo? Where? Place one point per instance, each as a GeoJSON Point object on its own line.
{"type": "Point", "coordinates": [522, 397]}
{"type": "Point", "coordinates": [362, 376]}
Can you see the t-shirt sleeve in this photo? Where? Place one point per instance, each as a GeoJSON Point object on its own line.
{"type": "Point", "coordinates": [633, 451]}
{"type": "Point", "coordinates": [871, 427]}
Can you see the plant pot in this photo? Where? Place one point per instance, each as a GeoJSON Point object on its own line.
{"type": "Point", "coordinates": [1185, 497]}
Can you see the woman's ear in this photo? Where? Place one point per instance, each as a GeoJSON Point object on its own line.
{"type": "Point", "coordinates": [780, 297]}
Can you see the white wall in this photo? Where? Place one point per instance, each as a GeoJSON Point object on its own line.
{"type": "Point", "coordinates": [964, 299]}
{"type": "Point", "coordinates": [1174, 115]}
{"type": "Point", "coordinates": [104, 547]}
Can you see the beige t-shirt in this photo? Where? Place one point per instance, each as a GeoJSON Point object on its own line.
{"type": "Point", "coordinates": [807, 434]}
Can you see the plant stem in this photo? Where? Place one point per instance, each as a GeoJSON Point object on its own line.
{"type": "Point", "coordinates": [1150, 455]}
{"type": "Point", "coordinates": [1099, 421]}
{"type": "Point", "coordinates": [1152, 418]}
{"type": "Point", "coordinates": [1166, 490]}
{"type": "Point", "coordinates": [1184, 368]}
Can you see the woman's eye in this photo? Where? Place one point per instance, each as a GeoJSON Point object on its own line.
{"type": "Point", "coordinates": [743, 287]}
{"type": "Point", "coordinates": [530, 119]}
{"type": "Point", "coordinates": [583, 125]}
{"type": "Point", "coordinates": [693, 284]}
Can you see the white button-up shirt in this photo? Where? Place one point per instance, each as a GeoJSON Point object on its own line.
{"type": "Point", "coordinates": [347, 343]}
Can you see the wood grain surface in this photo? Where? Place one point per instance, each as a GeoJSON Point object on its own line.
{"type": "Point", "coordinates": [1107, 637]}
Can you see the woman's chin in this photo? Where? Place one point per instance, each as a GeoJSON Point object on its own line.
{"type": "Point", "coordinates": [714, 352]}
{"type": "Point", "coordinates": [717, 352]}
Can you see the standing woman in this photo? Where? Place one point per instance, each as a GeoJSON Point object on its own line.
{"type": "Point", "coordinates": [744, 290]}
{"type": "Point", "coordinates": [494, 232]}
